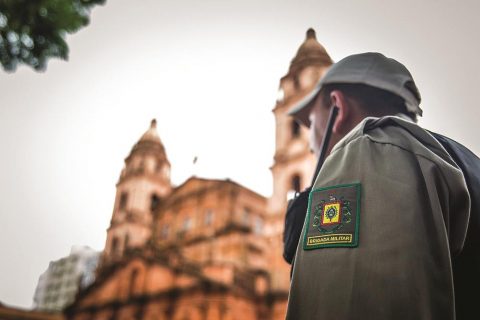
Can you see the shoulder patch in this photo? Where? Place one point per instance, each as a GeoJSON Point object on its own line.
{"type": "Point", "coordinates": [333, 217]}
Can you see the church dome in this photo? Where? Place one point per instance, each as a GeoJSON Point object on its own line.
{"type": "Point", "coordinates": [311, 52]}
{"type": "Point", "coordinates": [149, 143]}
{"type": "Point", "coordinates": [151, 134]}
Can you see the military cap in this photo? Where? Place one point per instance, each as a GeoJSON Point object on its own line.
{"type": "Point", "coordinates": [371, 68]}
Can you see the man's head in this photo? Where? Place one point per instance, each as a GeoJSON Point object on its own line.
{"type": "Point", "coordinates": [361, 85]}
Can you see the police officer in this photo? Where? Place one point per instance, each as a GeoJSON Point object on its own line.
{"type": "Point", "coordinates": [390, 230]}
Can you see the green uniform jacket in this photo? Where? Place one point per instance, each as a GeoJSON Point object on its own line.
{"type": "Point", "coordinates": [388, 211]}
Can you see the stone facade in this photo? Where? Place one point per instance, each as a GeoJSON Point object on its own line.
{"type": "Point", "coordinates": [207, 249]}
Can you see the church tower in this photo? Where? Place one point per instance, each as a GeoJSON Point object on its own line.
{"type": "Point", "coordinates": [143, 183]}
{"type": "Point", "coordinates": [294, 164]}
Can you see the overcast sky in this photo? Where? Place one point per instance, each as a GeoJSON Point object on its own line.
{"type": "Point", "coordinates": [208, 71]}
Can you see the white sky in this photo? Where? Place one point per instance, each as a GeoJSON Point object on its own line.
{"type": "Point", "coordinates": [209, 72]}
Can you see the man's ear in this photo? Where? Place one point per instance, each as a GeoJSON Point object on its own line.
{"type": "Point", "coordinates": [338, 99]}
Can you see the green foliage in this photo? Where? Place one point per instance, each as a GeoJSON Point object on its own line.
{"type": "Point", "coordinates": [32, 31]}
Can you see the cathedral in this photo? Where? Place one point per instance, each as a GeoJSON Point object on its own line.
{"type": "Point", "coordinates": [206, 249]}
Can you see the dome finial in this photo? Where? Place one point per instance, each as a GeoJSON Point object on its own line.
{"type": "Point", "coordinates": [311, 34]}
{"type": "Point", "coordinates": [151, 134]}
{"type": "Point", "coordinates": [311, 52]}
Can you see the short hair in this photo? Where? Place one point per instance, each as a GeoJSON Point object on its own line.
{"type": "Point", "coordinates": [373, 101]}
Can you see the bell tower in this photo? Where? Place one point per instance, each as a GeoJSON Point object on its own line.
{"type": "Point", "coordinates": [294, 164]}
{"type": "Point", "coordinates": [144, 182]}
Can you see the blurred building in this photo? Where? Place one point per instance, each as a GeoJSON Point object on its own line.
{"type": "Point", "coordinates": [207, 249]}
{"type": "Point", "coordinates": [59, 284]}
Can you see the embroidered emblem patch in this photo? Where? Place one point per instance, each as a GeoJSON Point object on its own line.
{"type": "Point", "coordinates": [333, 217]}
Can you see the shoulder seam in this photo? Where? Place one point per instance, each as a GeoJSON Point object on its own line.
{"type": "Point", "coordinates": [385, 143]}
{"type": "Point", "coordinates": [441, 173]}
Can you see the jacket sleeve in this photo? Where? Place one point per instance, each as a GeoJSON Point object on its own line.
{"type": "Point", "coordinates": [400, 267]}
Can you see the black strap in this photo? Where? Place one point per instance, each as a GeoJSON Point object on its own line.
{"type": "Point", "coordinates": [297, 208]}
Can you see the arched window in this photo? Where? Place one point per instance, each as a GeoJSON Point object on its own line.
{"type": "Point", "coordinates": [246, 216]}
{"type": "Point", "coordinates": [258, 228]}
{"type": "Point", "coordinates": [187, 224]}
{"type": "Point", "coordinates": [122, 203]}
{"type": "Point", "coordinates": [141, 166]}
{"type": "Point", "coordinates": [295, 129]}
{"type": "Point", "coordinates": [154, 202]}
{"type": "Point", "coordinates": [295, 186]}
{"type": "Point", "coordinates": [296, 83]}
{"type": "Point", "coordinates": [133, 281]}
{"type": "Point", "coordinates": [114, 249]}
{"type": "Point", "coordinates": [208, 217]}
{"type": "Point", "coordinates": [126, 242]}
